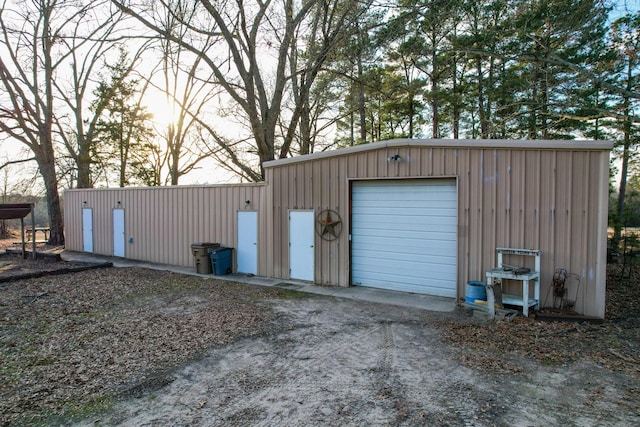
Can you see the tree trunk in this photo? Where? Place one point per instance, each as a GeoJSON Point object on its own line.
{"type": "Point", "coordinates": [305, 127]}
{"type": "Point", "coordinates": [361, 104]}
{"type": "Point", "coordinates": [84, 165]}
{"type": "Point", "coordinates": [484, 128]}
{"type": "Point", "coordinates": [624, 169]}
{"type": "Point", "coordinates": [174, 171]}
{"type": "Point", "coordinates": [46, 164]}
{"type": "Point", "coordinates": [411, 114]}
{"type": "Point", "coordinates": [352, 136]}
{"type": "Point", "coordinates": [488, 102]}
{"type": "Point", "coordinates": [173, 148]}
{"type": "Point", "coordinates": [434, 96]}
{"type": "Point", "coordinates": [456, 103]}
{"type": "Point", "coordinates": [622, 189]}
{"type": "Point", "coordinates": [56, 221]}
{"type": "Point", "coordinates": [544, 98]}
{"type": "Point", "coordinates": [4, 230]}
{"type": "Point", "coordinates": [47, 158]}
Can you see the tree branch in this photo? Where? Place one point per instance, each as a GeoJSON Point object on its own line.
{"type": "Point", "coordinates": [15, 162]}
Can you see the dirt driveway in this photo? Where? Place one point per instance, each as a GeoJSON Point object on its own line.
{"type": "Point", "coordinates": [342, 362]}
{"type": "Point", "coordinates": [160, 348]}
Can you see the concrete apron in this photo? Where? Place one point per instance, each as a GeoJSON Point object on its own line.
{"type": "Point", "coordinates": [382, 296]}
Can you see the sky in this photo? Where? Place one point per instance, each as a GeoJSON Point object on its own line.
{"type": "Point", "coordinates": [622, 7]}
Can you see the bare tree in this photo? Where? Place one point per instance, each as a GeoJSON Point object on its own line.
{"type": "Point", "coordinates": [250, 58]}
{"type": "Point", "coordinates": [89, 45]}
{"type": "Point", "coordinates": [31, 56]}
{"type": "Point", "coordinates": [185, 90]}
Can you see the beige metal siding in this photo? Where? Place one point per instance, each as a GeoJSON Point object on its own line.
{"type": "Point", "coordinates": [521, 197]}
{"type": "Point", "coordinates": [546, 195]}
{"type": "Point", "coordinates": [162, 222]}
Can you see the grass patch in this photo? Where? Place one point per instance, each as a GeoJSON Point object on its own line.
{"type": "Point", "coordinates": [71, 412]}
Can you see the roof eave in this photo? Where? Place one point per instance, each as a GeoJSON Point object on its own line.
{"type": "Point", "coordinates": [581, 145]}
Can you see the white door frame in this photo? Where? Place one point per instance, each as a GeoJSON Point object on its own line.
{"type": "Point", "coordinates": [87, 230]}
{"type": "Point", "coordinates": [302, 245]}
{"type": "Point", "coordinates": [247, 254]}
{"type": "Point", "coordinates": [119, 238]}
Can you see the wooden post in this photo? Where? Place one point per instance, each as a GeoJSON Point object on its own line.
{"type": "Point", "coordinates": [24, 253]}
{"type": "Point", "coordinates": [491, 300]}
{"type": "Point", "coordinates": [33, 231]}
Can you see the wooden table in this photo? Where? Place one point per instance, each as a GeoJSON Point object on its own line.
{"type": "Point", "coordinates": [523, 301]}
{"type": "Point", "coordinates": [32, 233]}
{"type": "Point", "coordinates": [501, 273]}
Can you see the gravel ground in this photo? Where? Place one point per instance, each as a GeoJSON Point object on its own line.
{"type": "Point", "coordinates": [132, 346]}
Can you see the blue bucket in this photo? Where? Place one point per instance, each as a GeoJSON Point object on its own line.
{"type": "Point", "coordinates": [475, 291]}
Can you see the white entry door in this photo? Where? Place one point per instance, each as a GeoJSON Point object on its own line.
{"type": "Point", "coordinates": [247, 255]}
{"type": "Point", "coordinates": [87, 229]}
{"type": "Point", "coordinates": [301, 245]}
{"type": "Point", "coordinates": [118, 232]}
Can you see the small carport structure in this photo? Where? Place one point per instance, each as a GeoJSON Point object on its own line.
{"type": "Point", "coordinates": [20, 210]}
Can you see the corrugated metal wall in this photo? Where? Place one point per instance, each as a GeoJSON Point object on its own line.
{"type": "Point", "coordinates": [512, 194]}
{"type": "Point", "coordinates": [546, 195]}
{"type": "Point", "coordinates": [162, 222]}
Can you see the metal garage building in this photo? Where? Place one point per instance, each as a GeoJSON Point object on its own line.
{"type": "Point", "coordinates": [420, 216]}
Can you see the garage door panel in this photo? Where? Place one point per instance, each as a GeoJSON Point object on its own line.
{"type": "Point", "coordinates": [413, 187]}
{"type": "Point", "coordinates": [436, 226]}
{"type": "Point", "coordinates": [442, 273]}
{"type": "Point", "coordinates": [380, 220]}
{"type": "Point", "coordinates": [401, 234]}
{"type": "Point", "coordinates": [403, 267]}
{"type": "Point", "coordinates": [379, 258]}
{"type": "Point", "coordinates": [404, 235]}
{"type": "Point", "coordinates": [392, 238]}
{"type": "Point", "coordinates": [396, 211]}
{"type": "Point", "coordinates": [438, 287]}
{"type": "Point", "coordinates": [394, 281]}
{"type": "Point", "coordinates": [418, 200]}
{"type": "Point", "coordinates": [407, 248]}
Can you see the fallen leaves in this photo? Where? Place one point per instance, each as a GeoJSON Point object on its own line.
{"type": "Point", "coordinates": [614, 344]}
{"type": "Point", "coordinates": [70, 340]}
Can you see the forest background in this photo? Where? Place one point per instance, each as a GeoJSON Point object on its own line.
{"type": "Point", "coordinates": [169, 92]}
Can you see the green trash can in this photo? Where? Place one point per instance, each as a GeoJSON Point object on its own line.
{"type": "Point", "coordinates": [220, 260]}
{"type": "Point", "coordinates": [201, 256]}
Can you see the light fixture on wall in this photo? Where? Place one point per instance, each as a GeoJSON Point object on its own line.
{"type": "Point", "coordinates": [395, 158]}
{"type": "Point", "coordinates": [247, 203]}
{"type": "Point", "coordinates": [119, 202]}
{"type": "Point", "coordinates": [84, 203]}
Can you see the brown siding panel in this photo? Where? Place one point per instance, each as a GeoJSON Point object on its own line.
{"type": "Point", "coordinates": [163, 222]}
{"type": "Point", "coordinates": [517, 194]}
{"type": "Point", "coordinates": [506, 197]}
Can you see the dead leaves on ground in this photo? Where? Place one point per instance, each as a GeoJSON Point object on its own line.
{"type": "Point", "coordinates": [76, 338]}
{"type": "Point", "coordinates": [613, 344]}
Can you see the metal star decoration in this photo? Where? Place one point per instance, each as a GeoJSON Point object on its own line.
{"type": "Point", "coordinates": [329, 224]}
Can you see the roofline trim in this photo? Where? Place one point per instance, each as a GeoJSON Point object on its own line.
{"type": "Point", "coordinates": [169, 187]}
{"type": "Point", "coordinates": [538, 144]}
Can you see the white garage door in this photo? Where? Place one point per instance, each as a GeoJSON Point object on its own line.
{"type": "Point", "coordinates": [403, 235]}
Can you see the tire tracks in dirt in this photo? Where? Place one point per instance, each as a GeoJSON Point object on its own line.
{"type": "Point", "coordinates": [345, 363]}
